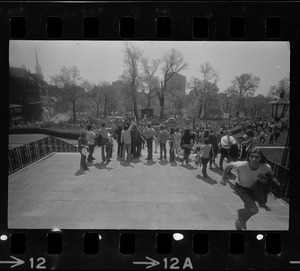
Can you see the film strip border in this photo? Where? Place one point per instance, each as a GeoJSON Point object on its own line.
{"type": "Point", "coordinates": [152, 21]}
{"type": "Point", "coordinates": [149, 249]}
{"type": "Point", "coordinates": [127, 249]}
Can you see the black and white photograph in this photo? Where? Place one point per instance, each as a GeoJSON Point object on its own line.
{"type": "Point", "coordinates": [149, 135]}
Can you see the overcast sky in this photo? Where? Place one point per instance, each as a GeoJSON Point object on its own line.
{"type": "Point", "coordinates": [103, 60]}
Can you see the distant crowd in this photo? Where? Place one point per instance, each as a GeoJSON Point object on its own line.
{"type": "Point", "coordinates": [267, 131]}
{"type": "Point", "coordinates": [207, 141]}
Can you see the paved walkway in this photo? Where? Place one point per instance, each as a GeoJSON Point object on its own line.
{"type": "Point", "coordinates": [139, 194]}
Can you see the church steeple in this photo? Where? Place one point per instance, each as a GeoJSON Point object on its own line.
{"type": "Point", "coordinates": [38, 69]}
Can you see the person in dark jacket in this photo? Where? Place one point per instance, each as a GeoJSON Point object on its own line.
{"type": "Point", "coordinates": [186, 145]}
{"type": "Point", "coordinates": [171, 145]}
{"type": "Point", "coordinates": [118, 132]}
{"type": "Point", "coordinates": [233, 152]}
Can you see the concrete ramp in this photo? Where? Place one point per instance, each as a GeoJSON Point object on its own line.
{"type": "Point", "coordinates": [137, 194]}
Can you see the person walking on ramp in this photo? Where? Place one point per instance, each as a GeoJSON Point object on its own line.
{"type": "Point", "coordinates": [254, 169]}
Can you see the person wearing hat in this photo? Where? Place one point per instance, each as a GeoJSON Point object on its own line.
{"type": "Point", "coordinates": [82, 149]}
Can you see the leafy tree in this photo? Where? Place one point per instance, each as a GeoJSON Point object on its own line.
{"type": "Point", "coordinates": [190, 104]}
{"type": "Point", "coordinates": [69, 83]}
{"type": "Point", "coordinates": [283, 88]}
{"type": "Point", "coordinates": [172, 62]}
{"type": "Point", "coordinates": [245, 85]}
{"type": "Point", "coordinates": [258, 106]}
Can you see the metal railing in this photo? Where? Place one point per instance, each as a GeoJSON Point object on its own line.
{"type": "Point", "coordinates": [282, 175]}
{"type": "Point", "coordinates": [27, 154]}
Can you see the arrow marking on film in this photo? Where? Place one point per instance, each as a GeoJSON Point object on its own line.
{"type": "Point", "coordinates": [150, 264]}
{"type": "Point", "coordinates": [16, 262]}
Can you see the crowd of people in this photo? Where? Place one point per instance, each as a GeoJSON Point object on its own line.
{"type": "Point", "coordinates": [66, 125]}
{"type": "Point", "coordinates": [253, 173]}
{"type": "Point", "coordinates": [206, 139]}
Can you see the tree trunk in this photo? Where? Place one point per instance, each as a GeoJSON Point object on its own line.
{"type": "Point", "coordinates": [162, 105]}
{"type": "Point", "coordinates": [74, 111]}
{"type": "Point", "coordinates": [135, 109]}
{"type": "Point", "coordinates": [105, 108]}
{"type": "Point", "coordinates": [148, 101]}
{"type": "Point", "coordinates": [97, 112]}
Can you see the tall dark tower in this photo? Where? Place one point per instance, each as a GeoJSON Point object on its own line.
{"type": "Point", "coordinates": [38, 69]}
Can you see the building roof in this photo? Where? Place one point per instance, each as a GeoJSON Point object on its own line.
{"type": "Point", "coordinates": [18, 72]}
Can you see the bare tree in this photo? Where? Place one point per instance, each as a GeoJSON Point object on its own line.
{"type": "Point", "coordinates": [95, 98]}
{"type": "Point", "coordinates": [149, 79]}
{"type": "Point", "coordinates": [245, 85]}
{"type": "Point", "coordinates": [205, 87]}
{"type": "Point", "coordinates": [172, 63]}
{"type": "Point", "coordinates": [132, 56]}
{"type": "Point", "coordinates": [69, 82]}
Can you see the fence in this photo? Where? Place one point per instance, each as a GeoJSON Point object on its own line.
{"type": "Point", "coordinates": [27, 154]}
{"type": "Point", "coordinates": [282, 175]}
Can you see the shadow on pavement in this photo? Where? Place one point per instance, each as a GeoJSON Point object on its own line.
{"type": "Point", "coordinates": [189, 167]}
{"type": "Point", "coordinates": [173, 164]}
{"type": "Point", "coordinates": [163, 162]}
{"type": "Point", "coordinates": [136, 160]}
{"type": "Point", "coordinates": [126, 163]}
{"type": "Point", "coordinates": [208, 180]}
{"type": "Point", "coordinates": [217, 170]}
{"type": "Point", "coordinates": [149, 163]}
{"type": "Point", "coordinates": [80, 172]}
{"type": "Point", "coordinates": [102, 166]}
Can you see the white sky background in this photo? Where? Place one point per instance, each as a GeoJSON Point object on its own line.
{"type": "Point", "coordinates": [103, 60]}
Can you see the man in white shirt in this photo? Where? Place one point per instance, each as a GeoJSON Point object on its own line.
{"type": "Point", "coordinates": [90, 136]}
{"type": "Point", "coordinates": [226, 141]}
{"type": "Point", "coordinates": [254, 169]}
